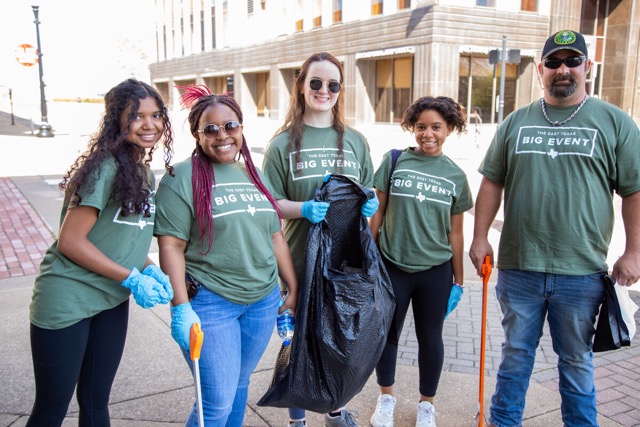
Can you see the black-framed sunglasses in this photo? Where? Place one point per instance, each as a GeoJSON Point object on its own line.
{"type": "Point", "coordinates": [571, 62]}
{"type": "Point", "coordinates": [211, 131]}
{"type": "Point", "coordinates": [316, 84]}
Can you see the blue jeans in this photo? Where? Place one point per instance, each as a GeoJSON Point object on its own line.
{"type": "Point", "coordinates": [235, 337]}
{"type": "Point", "coordinates": [570, 304]}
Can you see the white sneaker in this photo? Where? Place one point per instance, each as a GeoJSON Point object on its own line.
{"type": "Point", "coordinates": [426, 415]}
{"type": "Point", "coordinates": [383, 416]}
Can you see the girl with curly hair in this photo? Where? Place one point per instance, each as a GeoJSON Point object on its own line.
{"type": "Point", "coordinates": [218, 229]}
{"type": "Point", "coordinates": [80, 304]}
{"type": "Point", "coordinates": [419, 229]}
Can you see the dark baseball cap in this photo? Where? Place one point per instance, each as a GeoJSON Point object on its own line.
{"type": "Point", "coordinates": [565, 39]}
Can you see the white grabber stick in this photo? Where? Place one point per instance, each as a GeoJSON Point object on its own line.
{"type": "Point", "coordinates": [195, 345]}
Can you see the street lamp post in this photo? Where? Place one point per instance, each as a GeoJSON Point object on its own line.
{"type": "Point", "coordinates": [45, 128]}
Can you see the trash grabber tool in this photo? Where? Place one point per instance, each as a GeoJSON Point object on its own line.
{"type": "Point", "coordinates": [486, 272]}
{"type": "Point", "coordinates": [195, 345]}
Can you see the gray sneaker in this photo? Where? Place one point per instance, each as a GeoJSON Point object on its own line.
{"type": "Point", "coordinates": [346, 419]}
{"type": "Point", "coordinates": [298, 423]}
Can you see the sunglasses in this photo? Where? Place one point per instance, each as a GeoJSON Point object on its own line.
{"type": "Point", "coordinates": [211, 131]}
{"type": "Point", "coordinates": [316, 84]}
{"type": "Point", "coordinates": [571, 62]}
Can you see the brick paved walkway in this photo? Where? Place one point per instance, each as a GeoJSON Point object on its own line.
{"type": "Point", "coordinates": [617, 373]}
{"type": "Point", "coordinates": [24, 237]}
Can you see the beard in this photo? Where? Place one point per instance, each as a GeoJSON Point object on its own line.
{"type": "Point", "coordinates": [563, 91]}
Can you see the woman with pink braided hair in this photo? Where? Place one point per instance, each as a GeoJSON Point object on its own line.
{"type": "Point", "coordinates": [219, 234]}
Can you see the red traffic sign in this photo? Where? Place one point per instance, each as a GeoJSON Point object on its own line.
{"type": "Point", "coordinates": [26, 55]}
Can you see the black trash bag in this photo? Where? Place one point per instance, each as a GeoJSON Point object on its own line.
{"type": "Point", "coordinates": [344, 310]}
{"type": "Point", "coordinates": [611, 332]}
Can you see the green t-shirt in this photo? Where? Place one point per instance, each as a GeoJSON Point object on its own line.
{"type": "Point", "coordinates": [241, 265]}
{"type": "Point", "coordinates": [559, 182]}
{"type": "Point", "coordinates": [64, 292]}
{"type": "Point", "coordinates": [425, 192]}
{"type": "Point", "coordinates": [299, 181]}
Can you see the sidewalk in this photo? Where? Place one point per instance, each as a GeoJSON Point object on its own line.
{"type": "Point", "coordinates": [154, 387]}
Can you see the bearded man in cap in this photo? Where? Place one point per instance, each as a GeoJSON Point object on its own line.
{"type": "Point", "coordinates": [557, 161]}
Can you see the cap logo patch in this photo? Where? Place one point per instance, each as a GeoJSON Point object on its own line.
{"type": "Point", "coordinates": [565, 37]}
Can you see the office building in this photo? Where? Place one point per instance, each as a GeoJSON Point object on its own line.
{"type": "Point", "coordinates": [393, 51]}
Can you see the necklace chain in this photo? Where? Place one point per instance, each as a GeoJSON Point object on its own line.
{"type": "Point", "coordinates": [323, 144]}
{"type": "Point", "coordinates": [557, 123]}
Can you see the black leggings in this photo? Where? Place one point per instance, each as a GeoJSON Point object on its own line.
{"type": "Point", "coordinates": [428, 292]}
{"type": "Point", "coordinates": [87, 354]}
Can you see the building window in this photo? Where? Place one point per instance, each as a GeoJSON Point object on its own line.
{"type": "Point", "coordinates": [393, 88]}
{"type": "Point", "coordinates": [213, 26]}
{"type": "Point", "coordinates": [337, 11]}
{"type": "Point", "coordinates": [486, 3]}
{"type": "Point", "coordinates": [262, 94]}
{"type": "Point", "coordinates": [300, 14]}
{"type": "Point", "coordinates": [376, 7]}
{"type": "Point", "coordinates": [220, 85]}
{"type": "Point", "coordinates": [479, 87]}
{"type": "Point", "coordinates": [202, 44]}
{"type": "Point", "coordinates": [191, 26]}
{"type": "Point", "coordinates": [593, 17]}
{"type": "Point", "coordinates": [317, 12]}
{"type": "Point", "coordinates": [592, 25]}
{"type": "Point", "coordinates": [250, 7]}
{"type": "Point", "coordinates": [229, 80]}
{"type": "Point", "coordinates": [163, 89]}
{"type": "Point", "coordinates": [529, 5]}
{"type": "Point", "coordinates": [404, 4]}
{"type": "Point", "coordinates": [164, 41]}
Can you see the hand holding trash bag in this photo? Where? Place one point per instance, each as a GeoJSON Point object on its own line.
{"type": "Point", "coordinates": [146, 290]}
{"type": "Point", "coordinates": [314, 211]}
{"type": "Point", "coordinates": [370, 206]}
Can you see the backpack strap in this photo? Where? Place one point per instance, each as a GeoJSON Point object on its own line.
{"type": "Point", "coordinates": [394, 158]}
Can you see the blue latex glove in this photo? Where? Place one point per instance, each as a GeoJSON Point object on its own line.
{"type": "Point", "coordinates": [314, 211]}
{"type": "Point", "coordinates": [454, 298]}
{"type": "Point", "coordinates": [146, 290]}
{"type": "Point", "coordinates": [370, 206]}
{"type": "Point", "coordinates": [154, 271]}
{"type": "Point", "coordinates": [182, 318]}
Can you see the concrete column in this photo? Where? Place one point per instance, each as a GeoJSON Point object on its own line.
{"type": "Point", "coordinates": [177, 35]}
{"type": "Point", "coordinates": [208, 30]}
{"type": "Point", "coordinates": [621, 76]}
{"type": "Point", "coordinates": [187, 34]}
{"type": "Point", "coordinates": [565, 15]}
{"type": "Point", "coordinates": [436, 78]}
{"type": "Point", "coordinates": [364, 91]}
{"type": "Point", "coordinates": [196, 37]}
{"type": "Point", "coordinates": [350, 91]}
{"type": "Point", "coordinates": [219, 19]}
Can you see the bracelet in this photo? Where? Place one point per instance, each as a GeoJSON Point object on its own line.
{"type": "Point", "coordinates": [457, 284]}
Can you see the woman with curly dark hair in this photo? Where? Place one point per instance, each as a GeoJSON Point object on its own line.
{"type": "Point", "coordinates": [218, 229]}
{"type": "Point", "coordinates": [80, 305]}
{"type": "Point", "coordinates": [419, 229]}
